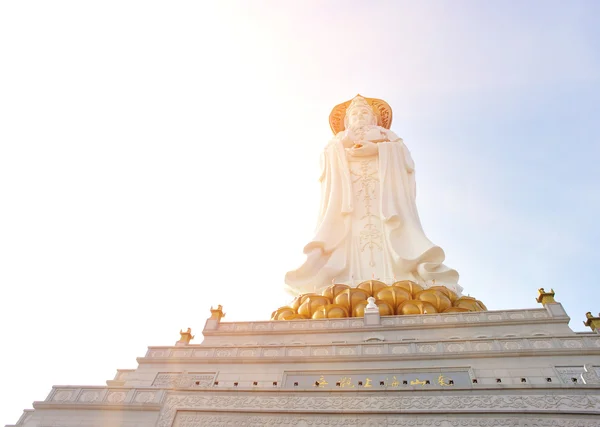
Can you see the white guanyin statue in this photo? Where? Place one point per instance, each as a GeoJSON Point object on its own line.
{"type": "Point", "coordinates": [368, 224]}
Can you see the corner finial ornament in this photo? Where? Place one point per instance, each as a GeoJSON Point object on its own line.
{"type": "Point", "coordinates": [545, 297]}
{"type": "Point", "coordinates": [217, 313]}
{"type": "Point", "coordinates": [186, 337]}
{"type": "Point", "coordinates": [592, 322]}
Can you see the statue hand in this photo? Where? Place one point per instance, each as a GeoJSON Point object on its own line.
{"type": "Point", "coordinates": [363, 149]}
{"type": "Point", "coordinates": [347, 139]}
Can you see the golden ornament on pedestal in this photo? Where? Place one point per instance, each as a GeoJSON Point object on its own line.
{"type": "Point", "coordinates": [311, 303]}
{"type": "Point", "coordinates": [450, 294]}
{"type": "Point", "coordinates": [393, 295]}
{"type": "Point", "coordinates": [283, 313]}
{"type": "Point", "coordinates": [411, 287]}
{"type": "Point", "coordinates": [350, 297]}
{"type": "Point", "coordinates": [416, 307]}
{"type": "Point", "coordinates": [295, 317]}
{"type": "Point", "coordinates": [331, 311]}
{"type": "Point", "coordinates": [436, 298]}
{"type": "Point", "coordinates": [296, 302]}
{"type": "Point", "coordinates": [333, 291]}
{"type": "Point", "coordinates": [372, 287]}
{"type": "Point", "coordinates": [403, 297]}
{"type": "Point", "coordinates": [470, 303]}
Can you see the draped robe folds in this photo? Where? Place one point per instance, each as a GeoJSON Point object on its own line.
{"type": "Point", "coordinates": [368, 224]}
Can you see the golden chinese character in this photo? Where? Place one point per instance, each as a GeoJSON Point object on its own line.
{"type": "Point", "coordinates": [442, 381]}
{"type": "Point", "coordinates": [417, 382]}
{"type": "Point", "coordinates": [346, 382]}
{"type": "Point", "coordinates": [322, 382]}
{"type": "Point", "coordinates": [368, 383]}
{"type": "Point", "coordinates": [395, 383]}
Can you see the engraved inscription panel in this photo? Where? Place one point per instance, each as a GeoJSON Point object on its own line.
{"type": "Point", "coordinates": [359, 380]}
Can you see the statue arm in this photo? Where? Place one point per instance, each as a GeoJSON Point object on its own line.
{"type": "Point", "coordinates": [323, 165]}
{"type": "Point", "coordinates": [391, 136]}
{"type": "Point", "coordinates": [408, 160]}
{"type": "Point", "coordinates": [345, 138]}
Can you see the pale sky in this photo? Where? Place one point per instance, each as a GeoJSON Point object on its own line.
{"type": "Point", "coordinates": [157, 158]}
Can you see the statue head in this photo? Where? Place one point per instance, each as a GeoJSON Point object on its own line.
{"type": "Point", "coordinates": [359, 113]}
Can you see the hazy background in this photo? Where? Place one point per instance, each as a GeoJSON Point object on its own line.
{"type": "Point", "coordinates": [157, 158]}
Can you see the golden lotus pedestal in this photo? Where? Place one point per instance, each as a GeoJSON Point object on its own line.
{"type": "Point", "coordinates": [401, 298]}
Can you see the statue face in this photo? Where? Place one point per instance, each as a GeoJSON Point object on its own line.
{"type": "Point", "coordinates": [360, 116]}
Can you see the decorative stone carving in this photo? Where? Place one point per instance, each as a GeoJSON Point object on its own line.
{"type": "Point", "coordinates": [89, 396]}
{"type": "Point", "coordinates": [482, 346]}
{"type": "Point", "coordinates": [572, 343]}
{"type": "Point", "coordinates": [426, 348]}
{"type": "Point", "coordinates": [63, 396]}
{"type": "Point", "coordinates": [512, 345]}
{"type": "Point", "coordinates": [301, 420]}
{"type": "Point", "coordinates": [386, 402]}
{"type": "Point", "coordinates": [400, 349]}
{"type": "Point", "coordinates": [372, 350]}
{"type": "Point", "coordinates": [166, 380]}
{"type": "Point", "coordinates": [590, 375]}
{"type": "Point", "coordinates": [567, 373]}
{"type": "Point", "coordinates": [455, 347]}
{"type": "Point", "coordinates": [116, 396]}
{"type": "Point", "coordinates": [144, 397]}
{"type": "Point", "coordinates": [179, 380]}
{"type": "Point", "coordinates": [540, 315]}
{"type": "Point", "coordinates": [541, 344]}
{"type": "Point", "coordinates": [281, 326]}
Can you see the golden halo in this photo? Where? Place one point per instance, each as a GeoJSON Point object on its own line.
{"type": "Point", "coordinates": [381, 109]}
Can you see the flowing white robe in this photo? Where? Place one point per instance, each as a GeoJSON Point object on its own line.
{"type": "Point", "coordinates": [368, 224]}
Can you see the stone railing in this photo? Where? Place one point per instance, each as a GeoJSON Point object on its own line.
{"type": "Point", "coordinates": [105, 396]}
{"type": "Point", "coordinates": [418, 321]}
{"type": "Point", "coordinates": [435, 348]}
